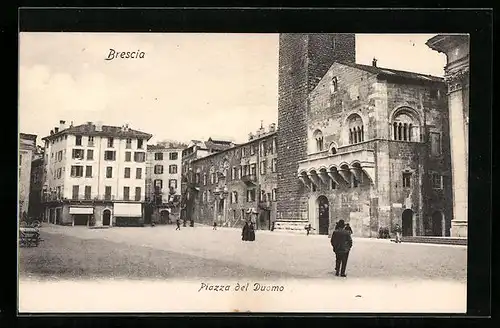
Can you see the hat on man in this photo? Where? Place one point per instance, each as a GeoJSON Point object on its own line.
{"type": "Point", "coordinates": [341, 224]}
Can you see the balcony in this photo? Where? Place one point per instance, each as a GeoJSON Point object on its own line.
{"type": "Point", "coordinates": [249, 179]}
{"type": "Point", "coordinates": [89, 198]}
{"type": "Point", "coordinates": [357, 159]}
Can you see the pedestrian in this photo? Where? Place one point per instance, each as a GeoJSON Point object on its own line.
{"type": "Point", "coordinates": [309, 228]}
{"type": "Point", "coordinates": [215, 225]}
{"type": "Point", "coordinates": [348, 228]}
{"type": "Point", "coordinates": [397, 230]}
{"type": "Point", "coordinates": [251, 232]}
{"type": "Point", "coordinates": [178, 224]}
{"type": "Point", "coordinates": [244, 231]}
{"type": "Point", "coordinates": [342, 243]}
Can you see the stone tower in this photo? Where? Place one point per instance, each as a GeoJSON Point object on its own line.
{"type": "Point", "coordinates": [303, 60]}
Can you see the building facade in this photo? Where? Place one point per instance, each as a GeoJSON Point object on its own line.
{"type": "Point", "coordinates": [372, 146]}
{"type": "Point", "coordinates": [163, 181]}
{"type": "Point", "coordinates": [27, 148]}
{"type": "Point", "coordinates": [36, 185]}
{"type": "Point", "coordinates": [195, 150]}
{"type": "Point", "coordinates": [238, 183]}
{"type": "Point", "coordinates": [456, 48]}
{"type": "Point", "coordinates": [95, 175]}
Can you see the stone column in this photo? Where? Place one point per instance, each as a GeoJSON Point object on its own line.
{"type": "Point", "coordinates": [457, 84]}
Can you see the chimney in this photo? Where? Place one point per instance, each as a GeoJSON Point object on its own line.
{"type": "Point", "coordinates": [272, 127]}
{"type": "Point", "coordinates": [62, 125]}
{"type": "Point", "coordinates": [98, 126]}
{"type": "Point", "coordinates": [71, 125]}
{"type": "Point", "coordinates": [51, 132]}
{"type": "Point", "coordinates": [250, 136]}
{"type": "Point", "coordinates": [56, 129]}
{"type": "Point", "coordinates": [374, 62]}
{"type": "Point", "coordinates": [126, 127]}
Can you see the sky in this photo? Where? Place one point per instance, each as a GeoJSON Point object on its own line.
{"type": "Point", "coordinates": [187, 86]}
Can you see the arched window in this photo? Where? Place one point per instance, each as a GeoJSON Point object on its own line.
{"type": "Point", "coordinates": [333, 148]}
{"type": "Point", "coordinates": [318, 137]}
{"type": "Point", "coordinates": [356, 129]}
{"type": "Point", "coordinates": [405, 126]}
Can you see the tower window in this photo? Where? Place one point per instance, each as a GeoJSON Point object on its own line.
{"type": "Point", "coordinates": [406, 179]}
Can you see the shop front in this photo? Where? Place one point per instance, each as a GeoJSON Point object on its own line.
{"type": "Point", "coordinates": [82, 216]}
{"type": "Point", "coordinates": [128, 215]}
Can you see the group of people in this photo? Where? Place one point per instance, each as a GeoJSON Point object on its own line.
{"type": "Point", "coordinates": [248, 232]}
{"type": "Point", "coordinates": [341, 242]}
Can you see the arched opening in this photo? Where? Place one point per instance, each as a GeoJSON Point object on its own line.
{"type": "Point", "coordinates": [333, 148]}
{"type": "Point", "coordinates": [407, 222]}
{"type": "Point", "coordinates": [437, 223]}
{"type": "Point", "coordinates": [164, 216]}
{"type": "Point", "coordinates": [106, 217]}
{"type": "Point", "coordinates": [356, 129]}
{"type": "Point", "coordinates": [405, 125]}
{"type": "Point", "coordinates": [318, 137]}
{"type": "Point", "coordinates": [323, 215]}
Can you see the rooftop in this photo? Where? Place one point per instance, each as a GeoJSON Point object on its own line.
{"type": "Point", "coordinates": [393, 72]}
{"type": "Point", "coordinates": [89, 129]}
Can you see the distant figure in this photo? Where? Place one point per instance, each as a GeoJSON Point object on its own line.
{"type": "Point", "coordinates": [215, 225]}
{"type": "Point", "coordinates": [309, 228]}
{"type": "Point", "coordinates": [397, 230]}
{"type": "Point", "coordinates": [184, 222]}
{"type": "Point", "coordinates": [244, 231]}
{"type": "Point", "coordinates": [348, 228]}
{"type": "Point", "coordinates": [178, 224]}
{"type": "Point", "coordinates": [251, 232]}
{"type": "Point", "coordinates": [342, 243]}
{"type": "Point", "coordinates": [272, 226]}
{"type": "Point", "coordinates": [191, 223]}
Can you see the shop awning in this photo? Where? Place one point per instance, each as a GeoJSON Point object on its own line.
{"type": "Point", "coordinates": [127, 210]}
{"type": "Point", "coordinates": [81, 210]}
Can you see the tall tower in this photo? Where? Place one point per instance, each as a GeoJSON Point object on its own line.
{"type": "Point", "coordinates": [303, 60]}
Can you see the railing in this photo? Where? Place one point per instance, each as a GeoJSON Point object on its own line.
{"type": "Point", "coordinates": [84, 197]}
{"type": "Point", "coordinates": [249, 178]}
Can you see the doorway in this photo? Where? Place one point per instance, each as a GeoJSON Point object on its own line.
{"type": "Point", "coordinates": [323, 215]}
{"type": "Point", "coordinates": [106, 217]}
{"type": "Point", "coordinates": [437, 223]}
{"type": "Point", "coordinates": [164, 217]}
{"type": "Point", "coordinates": [407, 222]}
{"type": "Point", "coordinates": [264, 220]}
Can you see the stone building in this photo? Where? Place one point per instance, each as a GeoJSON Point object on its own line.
{"type": "Point", "coordinates": [196, 149]}
{"type": "Point", "coordinates": [238, 183]}
{"type": "Point", "coordinates": [456, 49]}
{"type": "Point", "coordinates": [95, 175]}
{"type": "Point", "coordinates": [163, 181]}
{"type": "Point", "coordinates": [371, 145]}
{"type": "Point", "coordinates": [27, 148]}
{"type": "Point", "coordinates": [36, 185]}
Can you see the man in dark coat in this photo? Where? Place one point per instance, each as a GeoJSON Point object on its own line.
{"type": "Point", "coordinates": [244, 232]}
{"type": "Point", "coordinates": [342, 243]}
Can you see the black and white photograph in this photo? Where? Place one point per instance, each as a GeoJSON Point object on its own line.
{"type": "Point", "coordinates": [243, 172]}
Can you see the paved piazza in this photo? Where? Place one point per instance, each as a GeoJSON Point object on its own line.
{"type": "Point", "coordinates": [410, 276]}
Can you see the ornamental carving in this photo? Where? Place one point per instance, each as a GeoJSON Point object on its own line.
{"type": "Point", "coordinates": [457, 79]}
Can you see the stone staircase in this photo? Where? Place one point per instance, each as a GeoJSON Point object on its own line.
{"type": "Point", "coordinates": [435, 240]}
{"type": "Point", "coordinates": [292, 226]}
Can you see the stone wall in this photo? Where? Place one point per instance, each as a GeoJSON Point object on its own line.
{"type": "Point", "coordinates": [303, 60]}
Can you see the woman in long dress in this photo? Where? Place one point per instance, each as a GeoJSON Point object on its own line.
{"type": "Point", "coordinates": [244, 232]}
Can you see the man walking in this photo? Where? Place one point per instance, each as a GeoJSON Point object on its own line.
{"type": "Point", "coordinates": [397, 230]}
{"type": "Point", "coordinates": [342, 243]}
